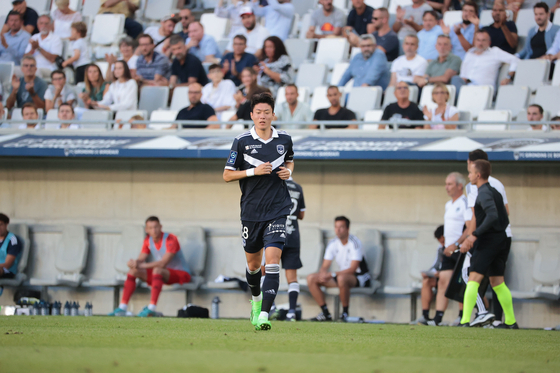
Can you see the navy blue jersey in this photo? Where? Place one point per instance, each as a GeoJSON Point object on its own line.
{"type": "Point", "coordinates": [298, 205]}
{"type": "Point", "coordinates": [263, 197]}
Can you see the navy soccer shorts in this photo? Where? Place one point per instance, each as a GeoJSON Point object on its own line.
{"type": "Point", "coordinates": [258, 235]}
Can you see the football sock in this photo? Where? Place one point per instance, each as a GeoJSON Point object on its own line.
{"type": "Point", "coordinates": [262, 279]}
{"type": "Point", "coordinates": [345, 310]}
{"type": "Point", "coordinates": [460, 313]}
{"type": "Point", "coordinates": [129, 287]}
{"type": "Point", "coordinates": [293, 292]}
{"type": "Point", "coordinates": [123, 306]}
{"type": "Point", "coordinates": [439, 316]}
{"type": "Point", "coordinates": [504, 296]}
{"type": "Point", "coordinates": [157, 284]}
{"type": "Point", "coordinates": [152, 307]}
{"type": "Point", "coordinates": [426, 314]}
{"type": "Point", "coordinates": [497, 309]}
{"type": "Point", "coordinates": [270, 286]}
{"type": "Point", "coordinates": [469, 301]}
{"type": "Point", "coordinates": [254, 281]}
{"type": "Point", "coordinates": [325, 310]}
{"type": "Point", "coordinates": [480, 305]}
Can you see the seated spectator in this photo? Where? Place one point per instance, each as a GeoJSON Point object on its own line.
{"type": "Point", "coordinates": [186, 68]}
{"type": "Point", "coordinates": [427, 37]}
{"type": "Point", "coordinates": [95, 87]}
{"type": "Point", "coordinates": [63, 17]}
{"type": "Point", "coordinates": [122, 93]}
{"type": "Point", "coordinates": [197, 110]}
{"type": "Point", "coordinates": [234, 62]}
{"type": "Point", "coordinates": [335, 112]}
{"type": "Point", "coordinates": [535, 113]}
{"type": "Point", "coordinates": [219, 92]}
{"type": "Point", "coordinates": [231, 11]}
{"type": "Point", "coordinates": [368, 68]}
{"type": "Point", "coordinates": [202, 45]}
{"type": "Point", "coordinates": [443, 68]}
{"type": "Point", "coordinates": [443, 112]}
{"type": "Point", "coordinates": [127, 47]}
{"type": "Point", "coordinates": [132, 123]}
{"type": "Point", "coordinates": [161, 34]}
{"type": "Point", "coordinates": [152, 68]}
{"type": "Point", "coordinates": [126, 7]}
{"type": "Point", "coordinates": [13, 41]}
{"type": "Point", "coordinates": [276, 70]}
{"type": "Point", "coordinates": [328, 20]}
{"type": "Point", "coordinates": [541, 37]}
{"type": "Point", "coordinates": [245, 92]}
{"type": "Point", "coordinates": [29, 15]}
{"type": "Point", "coordinates": [66, 112]}
{"type": "Point", "coordinates": [353, 270]}
{"type": "Point", "coordinates": [503, 33]}
{"type": "Point", "coordinates": [403, 109]}
{"type": "Point", "coordinates": [482, 64]}
{"type": "Point", "coordinates": [293, 110]}
{"type": "Point", "coordinates": [45, 47]}
{"type": "Point", "coordinates": [462, 33]}
{"type": "Point", "coordinates": [29, 112]}
{"type": "Point", "coordinates": [81, 57]}
{"type": "Point", "coordinates": [409, 18]}
{"type": "Point", "coordinates": [28, 88]}
{"type": "Point", "coordinates": [58, 92]}
{"type": "Point", "coordinates": [555, 126]}
{"type": "Point", "coordinates": [409, 66]}
{"type": "Point", "coordinates": [186, 17]}
{"type": "Point", "coordinates": [430, 277]}
{"type": "Point", "coordinates": [278, 15]}
{"type": "Point", "coordinates": [10, 250]}
{"type": "Point", "coordinates": [387, 39]}
{"type": "Point", "coordinates": [254, 33]}
{"type": "Point", "coordinates": [358, 22]}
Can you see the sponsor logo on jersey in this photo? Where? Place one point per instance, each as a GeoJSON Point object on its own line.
{"type": "Point", "coordinates": [247, 147]}
{"type": "Point", "coordinates": [232, 157]}
{"type": "Point", "coordinates": [280, 149]}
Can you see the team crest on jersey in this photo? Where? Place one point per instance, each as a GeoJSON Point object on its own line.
{"type": "Point", "coordinates": [280, 149]}
{"type": "Point", "coordinates": [232, 157]}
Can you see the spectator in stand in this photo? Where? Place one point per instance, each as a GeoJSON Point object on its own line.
{"type": "Point", "coordinates": [482, 64]}
{"type": "Point", "coordinates": [443, 112]}
{"type": "Point", "coordinates": [14, 40]}
{"type": "Point", "coordinates": [234, 62]}
{"type": "Point", "coordinates": [161, 34]}
{"type": "Point", "coordinates": [197, 110]}
{"type": "Point", "coordinates": [358, 22]}
{"type": "Point", "coordinates": [201, 45]}
{"type": "Point", "coordinates": [231, 11]}
{"type": "Point", "coordinates": [403, 109]}
{"type": "Point", "coordinates": [219, 92]}
{"type": "Point", "coordinates": [541, 38]}
{"type": "Point", "coordinates": [387, 39]}
{"type": "Point", "coordinates": [126, 7]}
{"type": "Point", "coordinates": [409, 66]}
{"type": "Point", "coordinates": [276, 70]}
{"type": "Point", "coordinates": [29, 88]}
{"type": "Point", "coordinates": [427, 37]}
{"type": "Point", "coordinates": [152, 68]}
{"type": "Point", "coordinates": [122, 93]}
{"type": "Point", "coordinates": [186, 68]}
{"type": "Point", "coordinates": [29, 15]}
{"type": "Point", "coordinates": [535, 113]}
{"type": "Point", "coordinates": [81, 57]}
{"type": "Point", "coordinates": [409, 19]}
{"type": "Point", "coordinates": [503, 33]}
{"type": "Point", "coordinates": [45, 47]}
{"type": "Point", "coordinates": [10, 250]}
{"type": "Point", "coordinates": [293, 110]}
{"type": "Point", "coordinates": [58, 92]}
{"type": "Point", "coordinates": [553, 53]}
{"type": "Point", "coordinates": [29, 112]}
{"type": "Point", "coordinates": [335, 112]}
{"type": "Point", "coordinates": [63, 17]}
{"type": "Point", "coordinates": [278, 15]}
{"type": "Point", "coordinates": [127, 47]}
{"type": "Point", "coordinates": [368, 68]}
{"type": "Point", "coordinates": [66, 112]}
{"type": "Point", "coordinates": [186, 18]}
{"type": "Point", "coordinates": [443, 68]}
{"type": "Point", "coordinates": [1, 103]}
{"type": "Point", "coordinates": [95, 87]}
{"type": "Point", "coordinates": [462, 33]}
{"type": "Point", "coordinates": [254, 33]}
{"type": "Point", "coordinates": [555, 126]}
{"type": "Point", "coordinates": [328, 20]}
{"type": "Point", "coordinates": [245, 92]}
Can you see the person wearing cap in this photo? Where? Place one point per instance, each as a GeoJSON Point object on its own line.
{"type": "Point", "coordinates": [253, 32]}
{"type": "Point", "coordinates": [15, 40]}
{"type": "Point", "coordinates": [202, 45]}
{"type": "Point", "coordinates": [30, 17]}
{"type": "Point", "coordinates": [278, 15]}
{"type": "Point", "coordinates": [231, 12]}
{"type": "Point", "coordinates": [45, 47]}
{"type": "Point", "coordinates": [127, 8]}
{"type": "Point", "coordinates": [162, 33]}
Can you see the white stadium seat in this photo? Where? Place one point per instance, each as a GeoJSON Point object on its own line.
{"type": "Point", "coordinates": [214, 25]}
{"type": "Point", "coordinates": [303, 95]}
{"type": "Point", "coordinates": [338, 70]}
{"type": "Point", "coordinates": [341, 4]}
{"type": "Point", "coordinates": [486, 17]}
{"type": "Point", "coordinates": [372, 116]}
{"type": "Point", "coordinates": [557, 16]}
{"type": "Point", "coordinates": [180, 98]}
{"type": "Point", "coordinates": [305, 23]}
{"type": "Point", "coordinates": [549, 98]}
{"type": "Point", "coordinates": [492, 115]}
{"type": "Point", "coordinates": [513, 98]}
{"type": "Point", "coordinates": [125, 115]}
{"type": "Point", "coordinates": [6, 73]}
{"type": "Point", "coordinates": [103, 65]}
{"type": "Point", "coordinates": [153, 98]}
{"type": "Point", "coordinates": [51, 115]}
{"type": "Point", "coordinates": [525, 21]}
{"type": "Point", "coordinates": [377, 3]}
{"type": "Point", "coordinates": [319, 99]}
{"type": "Point", "coordinates": [546, 267]}
{"type": "Point", "coordinates": [160, 116]}
{"type": "Point", "coordinates": [91, 8]}
{"type": "Point", "coordinates": [107, 29]}
{"type": "Point", "coordinates": [332, 50]}
{"type": "Point", "coordinates": [311, 75]}
{"type": "Point", "coordinates": [299, 50]}
{"type": "Point", "coordinates": [362, 99]}
{"type": "Point", "coordinates": [302, 7]}
{"type": "Point", "coordinates": [390, 95]}
{"type": "Point", "coordinates": [556, 76]}
{"type": "Point", "coordinates": [532, 73]}
{"type": "Point", "coordinates": [474, 98]}
{"type": "Point", "coordinates": [157, 9]}
{"type": "Point", "coordinates": [96, 115]}
{"type": "Point", "coordinates": [452, 17]}
{"type": "Point", "coordinates": [426, 96]}
{"type": "Point", "coordinates": [393, 4]}
{"type": "Point", "coordinates": [40, 6]}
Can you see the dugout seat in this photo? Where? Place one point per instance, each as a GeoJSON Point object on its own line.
{"type": "Point", "coordinates": [22, 232]}
{"type": "Point", "coordinates": [193, 245]}
{"type": "Point", "coordinates": [546, 267]}
{"type": "Point", "coordinates": [311, 75]}
{"type": "Point", "coordinates": [311, 256]}
{"type": "Point", "coordinates": [422, 257]}
{"type": "Point", "coordinates": [225, 257]}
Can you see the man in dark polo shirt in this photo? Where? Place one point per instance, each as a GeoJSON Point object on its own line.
{"type": "Point", "coordinates": [403, 110]}
{"type": "Point", "coordinates": [443, 68]}
{"type": "Point", "coordinates": [186, 68]}
{"type": "Point", "coordinates": [357, 22]}
{"type": "Point", "coordinates": [234, 62]}
{"type": "Point", "coordinates": [197, 110]}
{"type": "Point", "coordinates": [503, 33]}
{"type": "Point", "coordinates": [336, 112]}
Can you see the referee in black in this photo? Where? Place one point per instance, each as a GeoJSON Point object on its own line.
{"type": "Point", "coordinates": [262, 160]}
{"type": "Point", "coordinates": [489, 244]}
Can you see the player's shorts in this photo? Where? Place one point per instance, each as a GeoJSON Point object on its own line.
{"type": "Point", "coordinates": [290, 258]}
{"type": "Point", "coordinates": [175, 276]}
{"type": "Point", "coordinates": [257, 235]}
{"type": "Point", "coordinates": [363, 281]}
{"type": "Point", "coordinates": [448, 262]}
{"type": "Point", "coordinates": [7, 274]}
{"type": "Point", "coordinates": [490, 253]}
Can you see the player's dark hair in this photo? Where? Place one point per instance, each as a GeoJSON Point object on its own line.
{"type": "Point", "coordinates": [539, 107]}
{"type": "Point", "coordinates": [438, 233]}
{"type": "Point", "coordinates": [478, 154]}
{"type": "Point", "coordinates": [4, 218]}
{"type": "Point", "coordinates": [484, 168]}
{"type": "Point", "coordinates": [152, 218]}
{"type": "Point", "coordinates": [542, 5]}
{"type": "Point", "coordinates": [262, 98]}
{"type": "Point", "coordinates": [214, 66]}
{"type": "Point", "coordinates": [344, 219]}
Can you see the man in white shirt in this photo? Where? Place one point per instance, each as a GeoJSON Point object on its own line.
{"type": "Point", "coordinates": [409, 18]}
{"type": "Point", "coordinates": [161, 34]}
{"type": "Point", "coordinates": [293, 110]}
{"type": "Point", "coordinates": [45, 47]}
{"type": "Point", "coordinates": [255, 33]}
{"type": "Point", "coordinates": [219, 92]}
{"type": "Point", "coordinates": [58, 92]}
{"type": "Point", "coordinates": [410, 65]}
{"type": "Point", "coordinates": [278, 16]}
{"type": "Point", "coordinates": [353, 272]}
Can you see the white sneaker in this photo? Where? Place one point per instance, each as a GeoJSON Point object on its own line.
{"type": "Point", "coordinates": [483, 319]}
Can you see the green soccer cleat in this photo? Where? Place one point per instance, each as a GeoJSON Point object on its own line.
{"type": "Point", "coordinates": [146, 312]}
{"type": "Point", "coordinates": [255, 311]}
{"type": "Point", "coordinates": [118, 312]}
{"type": "Point", "coordinates": [263, 323]}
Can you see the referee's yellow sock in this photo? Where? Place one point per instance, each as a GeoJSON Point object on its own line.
{"type": "Point", "coordinates": [504, 297]}
{"type": "Point", "coordinates": [469, 301]}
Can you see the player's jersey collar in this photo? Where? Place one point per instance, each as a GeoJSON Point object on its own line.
{"type": "Point", "coordinates": [257, 137]}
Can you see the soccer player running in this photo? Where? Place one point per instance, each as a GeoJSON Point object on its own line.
{"type": "Point", "coordinates": [262, 161]}
{"type": "Point", "coordinates": [169, 267]}
{"type": "Point", "coordinates": [489, 244]}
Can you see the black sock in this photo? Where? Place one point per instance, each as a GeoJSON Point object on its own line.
{"type": "Point", "coordinates": [270, 286]}
{"type": "Point", "coordinates": [426, 314]}
{"type": "Point", "coordinates": [254, 281]}
{"type": "Point", "coordinates": [345, 310]}
{"type": "Point", "coordinates": [293, 292]}
{"type": "Point", "coordinates": [497, 309]}
{"type": "Point", "coordinates": [438, 317]}
{"type": "Point", "coordinates": [460, 313]}
{"type": "Point", "coordinates": [325, 310]}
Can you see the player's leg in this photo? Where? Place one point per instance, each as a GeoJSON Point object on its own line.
{"type": "Point", "coordinates": [483, 317]}
{"type": "Point", "coordinates": [270, 284]}
{"type": "Point", "coordinates": [504, 297]}
{"type": "Point", "coordinates": [160, 276]}
{"type": "Point", "coordinates": [128, 289]}
{"type": "Point", "coordinates": [441, 300]}
{"type": "Point", "coordinates": [293, 293]}
{"type": "Point", "coordinates": [346, 282]}
{"type": "Point", "coordinates": [496, 306]}
{"type": "Point", "coordinates": [471, 294]}
{"type": "Point", "coordinates": [253, 274]}
{"type": "Point", "coordinates": [426, 295]}
{"type": "Point", "coordinates": [314, 283]}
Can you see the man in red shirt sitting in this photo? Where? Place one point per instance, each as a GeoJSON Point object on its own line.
{"type": "Point", "coordinates": [168, 266]}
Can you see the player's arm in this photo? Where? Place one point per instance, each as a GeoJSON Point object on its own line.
{"type": "Point", "coordinates": [160, 263]}
{"type": "Point", "coordinates": [507, 208]}
{"type": "Point", "coordinates": [263, 169]}
{"type": "Point", "coordinates": [354, 264]}
{"type": "Point", "coordinates": [471, 226]}
{"type": "Point", "coordinates": [301, 215]}
{"type": "Point", "coordinates": [10, 259]}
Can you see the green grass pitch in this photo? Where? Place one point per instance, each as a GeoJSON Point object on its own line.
{"type": "Point", "coordinates": [102, 344]}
